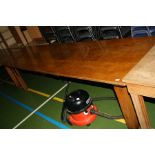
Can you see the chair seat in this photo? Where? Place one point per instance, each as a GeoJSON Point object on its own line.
{"type": "Point", "coordinates": [82, 28]}
{"type": "Point", "coordinates": [138, 28]}
{"type": "Point", "coordinates": [110, 34]}
{"type": "Point", "coordinates": [105, 28]}
{"type": "Point", "coordinates": [140, 33]}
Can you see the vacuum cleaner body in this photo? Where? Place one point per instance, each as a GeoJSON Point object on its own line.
{"type": "Point", "coordinates": [77, 108]}
{"type": "Point", "coordinates": [83, 118]}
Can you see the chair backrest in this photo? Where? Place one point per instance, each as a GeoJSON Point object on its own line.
{"type": "Point", "coordinates": [83, 33]}
{"type": "Point", "coordinates": [64, 33]}
{"type": "Point", "coordinates": [49, 34]}
{"type": "Point", "coordinates": [151, 30]}
{"type": "Point", "coordinates": [139, 31]}
{"type": "Point", "coordinates": [109, 32]}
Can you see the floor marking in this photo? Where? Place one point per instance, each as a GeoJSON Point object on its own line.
{"type": "Point", "coordinates": [45, 95]}
{"type": "Point", "coordinates": [120, 120]}
{"type": "Point", "coordinates": [58, 99]}
{"type": "Point", "coordinates": [41, 105]}
{"type": "Point", "coordinates": [36, 92]}
{"type": "Point", "coordinates": [49, 119]}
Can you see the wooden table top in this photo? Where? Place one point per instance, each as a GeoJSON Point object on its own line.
{"type": "Point", "coordinates": [144, 72]}
{"type": "Point", "coordinates": [105, 61]}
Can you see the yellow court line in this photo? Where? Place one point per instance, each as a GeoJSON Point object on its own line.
{"type": "Point", "coordinates": [36, 92]}
{"type": "Point", "coordinates": [55, 98]}
{"type": "Point", "coordinates": [120, 120]}
{"type": "Point", "coordinates": [59, 99]}
{"type": "Point", "coordinates": [45, 95]}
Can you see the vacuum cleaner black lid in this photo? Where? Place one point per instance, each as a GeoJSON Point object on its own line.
{"type": "Point", "coordinates": [77, 101]}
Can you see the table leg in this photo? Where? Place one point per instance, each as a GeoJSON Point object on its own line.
{"type": "Point", "coordinates": [141, 111]}
{"type": "Point", "coordinates": [16, 77]}
{"type": "Point", "coordinates": [127, 107]}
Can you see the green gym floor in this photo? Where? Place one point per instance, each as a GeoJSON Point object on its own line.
{"type": "Point", "coordinates": [16, 104]}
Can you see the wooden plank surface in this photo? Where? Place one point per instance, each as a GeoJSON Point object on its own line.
{"type": "Point", "coordinates": [144, 72]}
{"type": "Point", "coordinates": [100, 61]}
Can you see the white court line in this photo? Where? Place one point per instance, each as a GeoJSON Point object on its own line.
{"type": "Point", "coordinates": [22, 121]}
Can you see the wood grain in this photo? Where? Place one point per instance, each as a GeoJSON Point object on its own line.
{"type": "Point", "coordinates": [16, 77]}
{"type": "Point", "coordinates": [144, 72]}
{"type": "Point", "coordinates": [141, 111]}
{"type": "Point", "coordinates": [34, 32]}
{"type": "Point", "coordinates": [127, 107]}
{"type": "Point", "coordinates": [141, 82]}
{"type": "Point", "coordinates": [147, 91]}
{"type": "Point", "coordinates": [100, 61]}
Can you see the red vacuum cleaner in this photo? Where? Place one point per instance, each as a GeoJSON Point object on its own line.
{"type": "Point", "coordinates": [78, 109]}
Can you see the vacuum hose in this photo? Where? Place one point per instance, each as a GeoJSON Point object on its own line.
{"type": "Point", "coordinates": [103, 98]}
{"type": "Point", "coordinates": [106, 115]}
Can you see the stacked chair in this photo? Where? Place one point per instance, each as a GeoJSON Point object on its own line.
{"type": "Point", "coordinates": [109, 32]}
{"type": "Point", "coordinates": [49, 34]}
{"type": "Point", "coordinates": [70, 34]}
{"type": "Point", "coordinates": [151, 30]}
{"type": "Point", "coordinates": [125, 31]}
{"type": "Point", "coordinates": [139, 31]}
{"type": "Point", "coordinates": [64, 33]}
{"type": "Point", "coordinates": [84, 33]}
